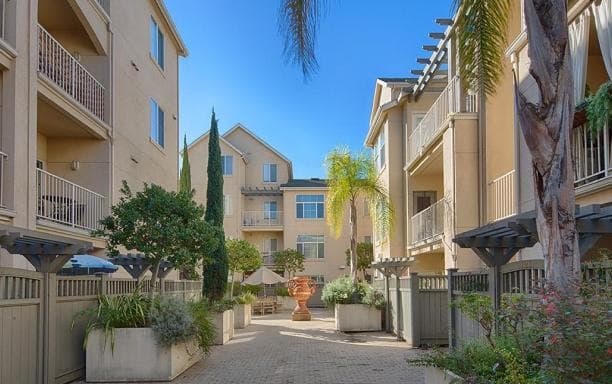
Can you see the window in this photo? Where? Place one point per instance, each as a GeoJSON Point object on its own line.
{"type": "Point", "coordinates": [157, 123]}
{"type": "Point", "coordinates": [319, 279]}
{"type": "Point", "coordinates": [311, 246]}
{"type": "Point", "coordinates": [423, 199]}
{"type": "Point", "coordinates": [270, 210]}
{"type": "Point", "coordinates": [227, 205]}
{"type": "Point", "coordinates": [269, 173]}
{"type": "Point", "coordinates": [310, 206]}
{"type": "Point", "coordinates": [380, 150]}
{"type": "Point", "coordinates": [227, 165]}
{"type": "Point", "coordinates": [270, 246]}
{"type": "Point", "coordinates": [157, 43]}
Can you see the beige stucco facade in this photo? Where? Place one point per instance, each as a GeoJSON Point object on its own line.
{"type": "Point", "coordinates": [265, 212]}
{"type": "Point", "coordinates": [470, 155]}
{"type": "Point", "coordinates": [78, 80]}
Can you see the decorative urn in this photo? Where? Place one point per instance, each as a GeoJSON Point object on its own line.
{"type": "Point", "coordinates": [301, 288]}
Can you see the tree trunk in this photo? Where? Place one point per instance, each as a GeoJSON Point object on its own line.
{"type": "Point", "coordinates": [546, 128]}
{"type": "Point", "coordinates": [353, 224]}
{"type": "Point", "coordinates": [154, 274]}
{"type": "Point", "coordinates": [232, 286]}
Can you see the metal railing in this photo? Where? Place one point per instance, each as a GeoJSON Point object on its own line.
{"type": "Point", "coordinates": [3, 159]}
{"type": "Point", "coordinates": [428, 223]}
{"type": "Point", "coordinates": [262, 218]}
{"type": "Point", "coordinates": [501, 198]}
{"type": "Point", "coordinates": [592, 154]}
{"type": "Point", "coordinates": [449, 101]}
{"type": "Point", "coordinates": [64, 202]}
{"type": "Point", "coordinates": [65, 71]}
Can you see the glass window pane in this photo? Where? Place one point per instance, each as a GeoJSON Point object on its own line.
{"type": "Point", "coordinates": [160, 127]}
{"type": "Point", "coordinates": [321, 250]}
{"type": "Point", "coordinates": [160, 48]}
{"type": "Point", "coordinates": [320, 210]}
{"type": "Point", "coordinates": [273, 172]}
{"type": "Point", "coordinates": [154, 116]}
{"type": "Point", "coordinates": [300, 211]}
{"type": "Point", "coordinates": [153, 38]}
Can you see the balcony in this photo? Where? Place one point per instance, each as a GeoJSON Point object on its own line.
{"type": "Point", "coordinates": [63, 202]}
{"type": "Point", "coordinates": [57, 65]}
{"type": "Point", "coordinates": [428, 224]}
{"type": "Point", "coordinates": [450, 101]}
{"type": "Point", "coordinates": [262, 221]}
{"type": "Point", "coordinates": [501, 199]}
{"type": "Point", "coordinates": [593, 156]}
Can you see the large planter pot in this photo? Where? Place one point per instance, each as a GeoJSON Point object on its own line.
{"type": "Point", "coordinates": [301, 288]}
{"type": "Point", "coordinates": [435, 375]}
{"type": "Point", "coordinates": [357, 318]}
{"type": "Point", "coordinates": [224, 323]}
{"type": "Point", "coordinates": [242, 316]}
{"type": "Point", "coordinates": [136, 357]}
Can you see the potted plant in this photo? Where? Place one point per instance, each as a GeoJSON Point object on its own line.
{"type": "Point", "coordinates": [135, 338]}
{"type": "Point", "coordinates": [242, 310]}
{"type": "Point", "coordinates": [222, 315]}
{"type": "Point", "coordinates": [357, 307]}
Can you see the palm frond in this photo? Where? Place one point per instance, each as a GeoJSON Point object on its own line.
{"type": "Point", "coordinates": [299, 22]}
{"type": "Point", "coordinates": [481, 27]}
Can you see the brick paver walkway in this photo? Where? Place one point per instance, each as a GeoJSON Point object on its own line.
{"type": "Point", "coordinates": [276, 350]}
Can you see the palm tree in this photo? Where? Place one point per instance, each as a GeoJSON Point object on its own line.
{"type": "Point", "coordinates": [349, 179]}
{"type": "Point", "coordinates": [481, 27]}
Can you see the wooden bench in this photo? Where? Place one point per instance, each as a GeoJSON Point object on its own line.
{"type": "Point", "coordinates": [267, 305]}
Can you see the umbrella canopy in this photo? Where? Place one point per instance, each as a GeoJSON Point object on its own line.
{"type": "Point", "coordinates": [88, 264]}
{"type": "Point", "coordinates": [264, 276]}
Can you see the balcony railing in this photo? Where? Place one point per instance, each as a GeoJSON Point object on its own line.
{"type": "Point", "coordinates": [64, 70]}
{"type": "Point", "coordinates": [501, 199]}
{"type": "Point", "coordinates": [3, 160]}
{"type": "Point", "coordinates": [64, 202]}
{"type": "Point", "coordinates": [268, 258]}
{"type": "Point", "coordinates": [449, 101]}
{"type": "Point", "coordinates": [592, 153]}
{"type": "Point", "coordinates": [262, 218]}
{"type": "Point", "coordinates": [428, 223]}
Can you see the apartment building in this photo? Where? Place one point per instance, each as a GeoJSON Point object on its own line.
{"type": "Point", "coordinates": [89, 94]}
{"type": "Point", "coordinates": [266, 206]}
{"type": "Point", "coordinates": [454, 160]}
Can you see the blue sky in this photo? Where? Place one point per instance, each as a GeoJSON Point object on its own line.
{"type": "Point", "coordinates": [236, 65]}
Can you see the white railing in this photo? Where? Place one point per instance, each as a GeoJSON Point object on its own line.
{"type": "Point", "coordinates": [3, 160]}
{"type": "Point", "coordinates": [592, 154]}
{"type": "Point", "coordinates": [64, 202]}
{"type": "Point", "coordinates": [449, 101]}
{"type": "Point", "coordinates": [501, 199]}
{"type": "Point", "coordinates": [59, 66]}
{"type": "Point", "coordinates": [428, 223]}
{"type": "Point", "coordinates": [262, 218]}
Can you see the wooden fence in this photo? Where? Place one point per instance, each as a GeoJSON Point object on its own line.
{"type": "Point", "coordinates": [23, 301]}
{"type": "Point", "coordinates": [420, 314]}
{"type": "Point", "coordinates": [524, 277]}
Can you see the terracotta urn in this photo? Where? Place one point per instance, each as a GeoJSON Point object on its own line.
{"type": "Point", "coordinates": [301, 288]}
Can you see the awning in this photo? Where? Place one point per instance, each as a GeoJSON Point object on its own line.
{"type": "Point", "coordinates": [264, 276]}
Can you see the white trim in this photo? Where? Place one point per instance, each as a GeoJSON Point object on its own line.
{"type": "Point", "coordinates": [203, 136]}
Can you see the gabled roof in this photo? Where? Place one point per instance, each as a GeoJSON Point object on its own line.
{"type": "Point", "coordinates": [180, 45]}
{"type": "Point", "coordinates": [305, 183]}
{"type": "Point", "coordinates": [221, 139]}
{"type": "Point", "coordinates": [262, 141]}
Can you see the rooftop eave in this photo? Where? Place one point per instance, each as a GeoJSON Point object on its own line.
{"type": "Point", "coordinates": [180, 44]}
{"type": "Point", "coordinates": [377, 121]}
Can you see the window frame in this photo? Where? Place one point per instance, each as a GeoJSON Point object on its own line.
{"type": "Point", "coordinates": [319, 207]}
{"type": "Point", "coordinates": [318, 246]}
{"type": "Point", "coordinates": [157, 48]}
{"type": "Point", "coordinates": [381, 155]}
{"type": "Point", "coordinates": [267, 167]}
{"type": "Point", "coordinates": [227, 206]}
{"type": "Point", "coordinates": [157, 124]}
{"type": "Point", "coordinates": [268, 213]}
{"type": "Point", "coordinates": [224, 159]}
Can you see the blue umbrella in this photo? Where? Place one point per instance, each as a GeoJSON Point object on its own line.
{"type": "Point", "coordinates": [87, 265]}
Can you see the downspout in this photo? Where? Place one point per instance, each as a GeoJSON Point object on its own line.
{"type": "Point", "coordinates": [454, 205]}
{"type": "Point", "coordinates": [111, 103]}
{"type": "Point", "coordinates": [517, 143]}
{"type": "Point", "coordinates": [482, 158]}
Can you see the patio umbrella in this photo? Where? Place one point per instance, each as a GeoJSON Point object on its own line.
{"type": "Point", "coordinates": [264, 276]}
{"type": "Point", "coordinates": [87, 265]}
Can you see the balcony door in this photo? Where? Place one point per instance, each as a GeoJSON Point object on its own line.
{"type": "Point", "coordinates": [271, 211]}
{"type": "Point", "coordinates": [423, 200]}
{"type": "Point", "coordinates": [424, 222]}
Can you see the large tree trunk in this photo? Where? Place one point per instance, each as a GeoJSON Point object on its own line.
{"type": "Point", "coordinates": [546, 127]}
{"type": "Point", "coordinates": [353, 224]}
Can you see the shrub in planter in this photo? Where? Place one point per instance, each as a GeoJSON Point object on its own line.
{"type": "Point", "coordinates": [223, 319]}
{"type": "Point", "coordinates": [343, 291]}
{"type": "Point", "coordinates": [356, 306]}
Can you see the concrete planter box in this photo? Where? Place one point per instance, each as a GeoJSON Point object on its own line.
{"type": "Point", "coordinates": [287, 303]}
{"type": "Point", "coordinates": [136, 357]}
{"type": "Point", "coordinates": [242, 316]}
{"type": "Point", "coordinates": [357, 318]}
{"type": "Point", "coordinates": [224, 322]}
{"type": "Point", "coordinates": [435, 375]}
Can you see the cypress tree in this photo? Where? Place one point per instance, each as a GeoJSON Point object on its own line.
{"type": "Point", "coordinates": [216, 271]}
{"type": "Point", "coordinates": [185, 179]}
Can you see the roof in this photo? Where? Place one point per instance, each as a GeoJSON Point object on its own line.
{"type": "Point", "coordinates": [262, 141]}
{"type": "Point", "coordinates": [400, 80]}
{"type": "Point", "coordinates": [305, 183]}
{"type": "Point", "coordinates": [180, 44]}
{"type": "Point", "coordinates": [221, 139]}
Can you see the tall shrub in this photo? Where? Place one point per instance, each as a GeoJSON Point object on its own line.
{"type": "Point", "coordinates": [185, 179]}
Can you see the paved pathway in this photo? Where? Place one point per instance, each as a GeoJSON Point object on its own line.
{"type": "Point", "coordinates": [276, 350]}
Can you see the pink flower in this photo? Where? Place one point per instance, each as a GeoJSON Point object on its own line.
{"type": "Point", "coordinates": [550, 308]}
{"type": "Point", "coordinates": [554, 339]}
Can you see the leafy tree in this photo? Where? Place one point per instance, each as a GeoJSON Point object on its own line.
{"type": "Point", "coordinates": [289, 260]}
{"type": "Point", "coordinates": [242, 257]}
{"type": "Point", "coordinates": [185, 178]}
{"type": "Point", "coordinates": [481, 28]}
{"type": "Point", "coordinates": [216, 272]}
{"type": "Point", "coordinates": [365, 256]}
{"type": "Point", "coordinates": [350, 178]}
{"type": "Point", "coordinates": [162, 225]}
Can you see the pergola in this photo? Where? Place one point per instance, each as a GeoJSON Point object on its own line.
{"type": "Point", "coordinates": [136, 264]}
{"type": "Point", "coordinates": [496, 243]}
{"type": "Point", "coordinates": [392, 267]}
